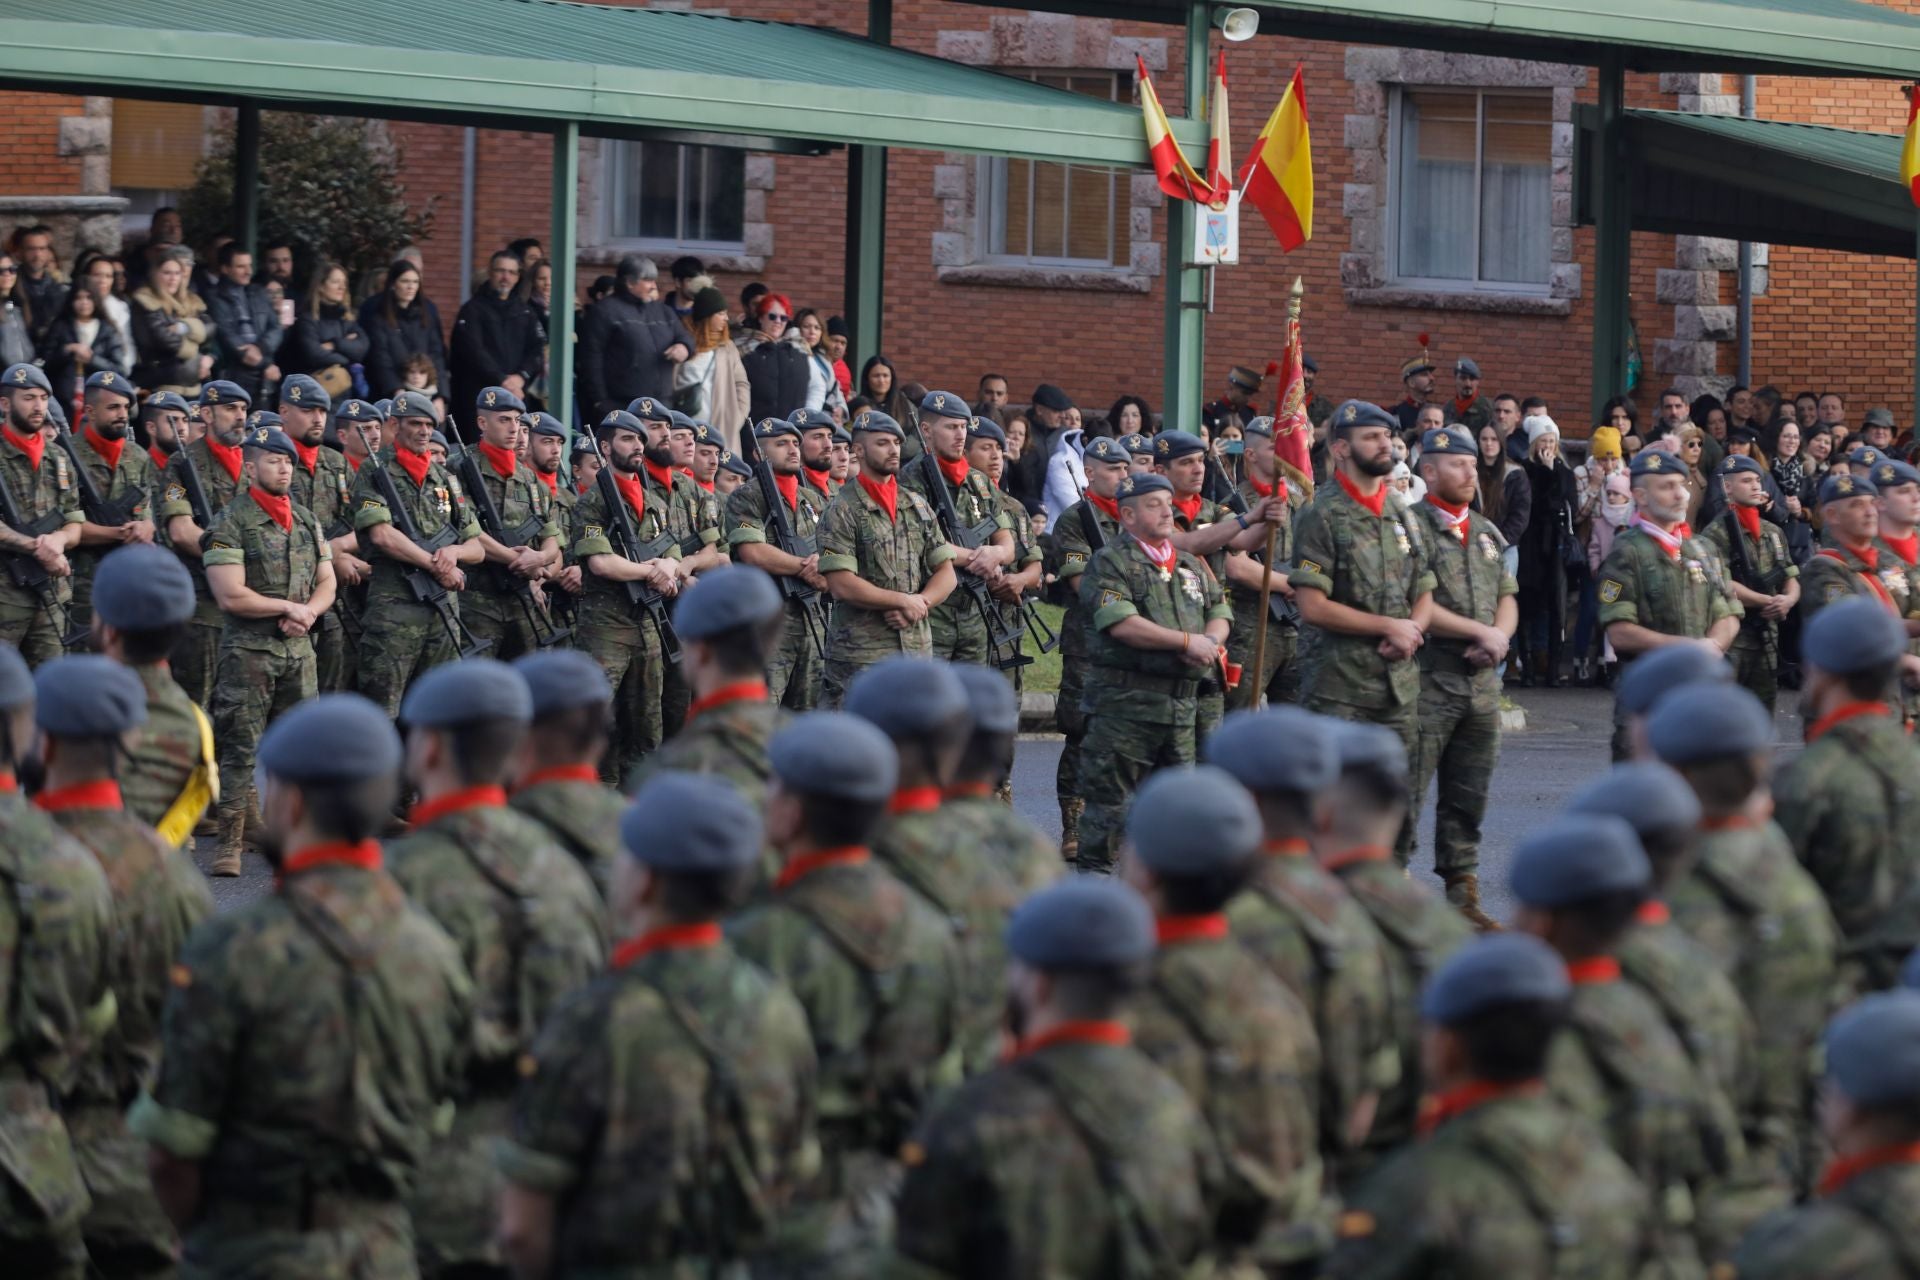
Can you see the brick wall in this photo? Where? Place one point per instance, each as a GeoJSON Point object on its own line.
{"type": "Point", "coordinates": [30, 138]}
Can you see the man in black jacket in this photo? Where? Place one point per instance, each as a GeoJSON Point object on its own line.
{"type": "Point", "coordinates": [1027, 478]}
{"type": "Point", "coordinates": [248, 331]}
{"type": "Point", "coordinates": [497, 339]}
{"type": "Point", "coordinates": [630, 341]}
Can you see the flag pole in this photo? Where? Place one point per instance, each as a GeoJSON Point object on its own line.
{"type": "Point", "coordinates": [1294, 298]}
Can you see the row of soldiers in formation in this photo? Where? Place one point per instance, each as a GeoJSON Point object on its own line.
{"type": "Point", "coordinates": [831, 1010]}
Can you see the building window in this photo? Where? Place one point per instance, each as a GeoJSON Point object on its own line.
{"type": "Point", "coordinates": [662, 195]}
{"type": "Point", "coordinates": [1064, 215]}
{"type": "Point", "coordinates": [1472, 199]}
{"type": "Point", "coordinates": [155, 151]}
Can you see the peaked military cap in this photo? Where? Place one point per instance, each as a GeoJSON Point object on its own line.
{"type": "Point", "coordinates": [20, 377]}
{"type": "Point", "coordinates": [1878, 418]}
{"type": "Point", "coordinates": [1244, 378]}
{"type": "Point", "coordinates": [1651, 462]}
{"type": "Point", "coordinates": [1838, 488]}
{"type": "Point", "coordinates": [725, 599]}
{"type": "Point", "coordinates": [1447, 442]}
{"type": "Point", "coordinates": [1873, 1049]}
{"type": "Point", "coordinates": [16, 678]}
{"type": "Point", "coordinates": [1279, 749]}
{"type": "Point", "coordinates": [498, 400]}
{"type": "Point", "coordinates": [985, 429]}
{"type": "Point", "coordinates": [1140, 484]}
{"type": "Point", "coordinates": [299, 389]}
{"type": "Point", "coordinates": [908, 697]}
{"type": "Point", "coordinates": [87, 696]}
{"type": "Point", "coordinates": [767, 428]}
{"type": "Point", "coordinates": [1492, 972]}
{"type": "Point", "coordinates": [1864, 455]}
{"type": "Point", "coordinates": [1738, 463]}
{"type": "Point", "coordinates": [691, 822]}
{"type": "Point", "coordinates": [1355, 414]}
{"type": "Point", "coordinates": [832, 753]}
{"type": "Point", "coordinates": [545, 424]}
{"type": "Point", "coordinates": [1192, 821]}
{"type": "Point", "coordinates": [1421, 363]}
{"type": "Point", "coordinates": [168, 400]}
{"type": "Point", "coordinates": [1466, 367]}
{"type": "Point", "coordinates": [224, 392]}
{"type": "Point", "coordinates": [1571, 859]}
{"type": "Point", "coordinates": [357, 411]}
{"type": "Point", "coordinates": [336, 737]}
{"type": "Point", "coordinates": [647, 409]}
{"type": "Point", "coordinates": [876, 421]}
{"type": "Point", "coordinates": [142, 587]}
{"type": "Point", "coordinates": [1652, 677]}
{"type": "Point", "coordinates": [563, 680]}
{"type": "Point", "coordinates": [411, 404]}
{"type": "Point", "coordinates": [1107, 449]}
{"type": "Point", "coordinates": [467, 692]}
{"type": "Point", "coordinates": [1648, 796]}
{"type": "Point", "coordinates": [946, 404]}
{"type": "Point", "coordinates": [991, 702]}
{"type": "Point", "coordinates": [734, 463]}
{"type": "Point", "coordinates": [1369, 746]}
{"type": "Point", "coordinates": [812, 419]}
{"type": "Point", "coordinates": [1083, 922]}
{"type": "Point", "coordinates": [1169, 445]}
{"type": "Point", "coordinates": [271, 438]}
{"type": "Point", "coordinates": [1137, 444]}
{"type": "Point", "coordinates": [1853, 635]}
{"type": "Point", "coordinates": [621, 420]}
{"type": "Point", "coordinates": [107, 380]}
{"type": "Point", "coordinates": [1708, 722]}
{"type": "Point", "coordinates": [1891, 473]}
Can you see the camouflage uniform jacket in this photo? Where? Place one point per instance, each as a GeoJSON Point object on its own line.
{"type": "Point", "coordinates": [894, 554]}
{"type": "Point", "coordinates": [582, 816]}
{"type": "Point", "coordinates": [171, 753]}
{"type": "Point", "coordinates": [1076, 552]}
{"type": "Point", "coordinates": [435, 503]}
{"type": "Point", "coordinates": [729, 739]}
{"type": "Point", "coordinates": [1032, 860]}
{"type": "Point", "coordinates": [326, 492]}
{"type": "Point", "coordinates": [668, 1108]}
{"type": "Point", "coordinates": [1518, 1186]}
{"type": "Point", "coordinates": [1246, 602]}
{"type": "Point", "coordinates": [1836, 572]}
{"type": "Point", "coordinates": [1865, 1230]}
{"type": "Point", "coordinates": [603, 600]}
{"type": "Point", "coordinates": [1764, 557]}
{"type": "Point", "coordinates": [691, 518]}
{"type": "Point", "coordinates": [1850, 807]}
{"type": "Point", "coordinates": [219, 488]}
{"type": "Point", "coordinates": [1470, 579]}
{"type": "Point", "coordinates": [1206, 514]}
{"type": "Point", "coordinates": [1074, 1159]}
{"type": "Point", "coordinates": [1243, 1047]}
{"type": "Point", "coordinates": [975, 503]}
{"type": "Point", "coordinates": [39, 492]}
{"type": "Point", "coordinates": [1151, 686]}
{"type": "Point", "coordinates": [1640, 583]}
{"type": "Point", "coordinates": [134, 473]}
{"type": "Point", "coordinates": [522, 501]}
{"type": "Point", "coordinates": [1378, 564]}
{"type": "Point", "coordinates": [283, 564]}
{"type": "Point", "coordinates": [746, 521]}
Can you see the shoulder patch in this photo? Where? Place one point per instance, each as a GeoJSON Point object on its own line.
{"type": "Point", "coordinates": [591, 531]}
{"type": "Point", "coordinates": [175, 493]}
{"type": "Point", "coordinates": [1111, 597]}
{"type": "Point", "coordinates": [367, 504]}
{"type": "Point", "coordinates": [1310, 566]}
{"type": "Point", "coordinates": [1610, 591]}
{"type": "Point", "coordinates": [1835, 591]}
{"type": "Point", "coordinates": [1356, 1224]}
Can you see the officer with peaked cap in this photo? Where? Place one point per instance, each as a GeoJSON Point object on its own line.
{"type": "Point", "coordinates": [793, 668]}
{"type": "Point", "coordinates": [45, 495]}
{"type": "Point", "coordinates": [558, 780]}
{"type": "Point", "coordinates": [978, 797]}
{"type": "Point", "coordinates": [1416, 375]}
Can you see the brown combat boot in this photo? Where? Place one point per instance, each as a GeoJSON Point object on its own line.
{"type": "Point", "coordinates": [1463, 891]}
{"type": "Point", "coordinates": [226, 858]}
{"type": "Point", "coordinates": [1070, 811]}
{"type": "Point", "coordinates": [255, 825]}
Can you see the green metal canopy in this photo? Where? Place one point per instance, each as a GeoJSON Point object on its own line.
{"type": "Point", "coordinates": [518, 64]}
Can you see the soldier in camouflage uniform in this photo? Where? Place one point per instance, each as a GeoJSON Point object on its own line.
{"type": "Point", "coordinates": [987, 455]}
{"type": "Point", "coordinates": [56, 1005]}
{"type": "Point", "coordinates": [356, 425]}
{"type": "Point", "coordinates": [1220, 1022]}
{"type": "Point", "coordinates": [875, 966]}
{"type": "Point", "coordinates": [960, 633]}
{"type": "Point", "coordinates": [523, 912]}
{"type": "Point", "coordinates": [1474, 614]}
{"type": "Point", "coordinates": [1660, 585]}
{"type": "Point", "coordinates": [1899, 547]}
{"type": "Point", "coordinates": [270, 568]}
{"type": "Point", "coordinates": [664, 1120]}
{"type": "Point", "coordinates": [884, 560]}
{"type": "Point", "coordinates": [491, 606]}
{"type": "Point", "coordinates": [1081, 530]}
{"type": "Point", "coordinates": [1507, 1182]}
{"type": "Point", "coordinates": [1280, 681]}
{"type": "Point", "coordinates": [1157, 625]}
{"type": "Point", "coordinates": [38, 475]}
{"type": "Point", "coordinates": [119, 474]}
{"type": "Point", "coordinates": [216, 458]}
{"type": "Point", "coordinates": [1297, 919]}
{"type": "Point", "coordinates": [1747, 901]}
{"type": "Point", "coordinates": [1760, 556]}
{"type": "Point", "coordinates": [817, 435]}
{"type": "Point", "coordinates": [1848, 562]}
{"type": "Point", "coordinates": [694, 519]}
{"type": "Point", "coordinates": [322, 486]}
{"type": "Point", "coordinates": [793, 670]}
{"type": "Point", "coordinates": [84, 708]}
{"type": "Point", "coordinates": [971, 799]}
{"type": "Point", "coordinates": [1076, 1155]}
{"type": "Point", "coordinates": [558, 779]}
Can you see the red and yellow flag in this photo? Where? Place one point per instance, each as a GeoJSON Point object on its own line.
{"type": "Point", "coordinates": [1177, 177]}
{"type": "Point", "coordinates": [1910, 148]}
{"type": "Point", "coordinates": [1219, 162]}
{"type": "Point", "coordinates": [1292, 431]}
{"type": "Point", "coordinates": [1279, 170]}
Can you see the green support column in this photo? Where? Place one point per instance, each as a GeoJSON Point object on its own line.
{"type": "Point", "coordinates": [867, 221]}
{"type": "Point", "coordinates": [246, 178]}
{"type": "Point", "coordinates": [1613, 237]}
{"type": "Point", "coordinates": [1186, 297]}
{"type": "Point", "coordinates": [560, 248]}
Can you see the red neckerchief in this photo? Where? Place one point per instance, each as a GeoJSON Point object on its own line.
{"type": "Point", "coordinates": [503, 461]}
{"type": "Point", "coordinates": [353, 462]}
{"type": "Point", "coordinates": [483, 797]}
{"type": "Point", "coordinates": [309, 456]}
{"type": "Point", "coordinates": [672, 937]}
{"type": "Point", "coordinates": [364, 854]}
{"type": "Point", "coordinates": [1286, 848]}
{"type": "Point", "coordinates": [1438, 1108]}
{"type": "Point", "coordinates": [110, 449]}
{"type": "Point", "coordinates": [662, 476]}
{"type": "Point", "coordinates": [8, 783]}
{"type": "Point", "coordinates": [280, 508]}
{"type": "Point", "coordinates": [1749, 518]}
{"type": "Point", "coordinates": [1376, 504]}
{"type": "Point", "coordinates": [914, 800]}
{"type": "Point", "coordinates": [956, 472]}
{"type": "Point", "coordinates": [551, 479]}
{"type": "Point", "coordinates": [559, 773]}
{"type": "Point", "coordinates": [634, 490]}
{"type": "Point", "coordinates": [34, 446]}
{"type": "Point", "coordinates": [1846, 1168]}
{"type": "Point", "coordinates": [887, 495]}
{"type": "Point", "coordinates": [704, 484]}
{"type": "Point", "coordinates": [1456, 517]}
{"type": "Point", "coordinates": [228, 456]}
{"type": "Point", "coordinates": [1871, 558]}
{"type": "Point", "coordinates": [1109, 505]}
{"type": "Point", "coordinates": [789, 487]}
{"type": "Point", "coordinates": [1356, 855]}
{"type": "Point", "coordinates": [1868, 556]}
{"type": "Point", "coordinates": [685, 471]}
{"type": "Point", "coordinates": [1730, 822]}
{"type": "Point", "coordinates": [1653, 911]}
{"type": "Point", "coordinates": [159, 456]}
{"type": "Point", "coordinates": [1173, 930]}
{"type": "Point", "coordinates": [103, 793]}
{"type": "Point", "coordinates": [968, 791]}
{"type": "Point", "coordinates": [1278, 486]}
{"type": "Point", "coordinates": [1593, 970]}
{"type": "Point", "coordinates": [1842, 713]}
{"type": "Point", "coordinates": [799, 868]}
{"type": "Point", "coordinates": [821, 479]}
{"type": "Point", "coordinates": [1907, 548]}
{"type": "Point", "coordinates": [1089, 1031]}
{"type": "Point", "coordinates": [1668, 542]}
{"type": "Point", "coordinates": [740, 691]}
{"type": "Point", "coordinates": [1461, 404]}
{"type": "Point", "coordinates": [1188, 507]}
{"type": "Point", "coordinates": [414, 464]}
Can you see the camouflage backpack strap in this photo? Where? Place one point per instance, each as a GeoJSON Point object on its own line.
{"type": "Point", "coordinates": [1891, 1214]}
{"type": "Point", "coordinates": [496, 867]}
{"type": "Point", "coordinates": [1324, 937]}
{"type": "Point", "coordinates": [1732, 889]}
{"type": "Point", "coordinates": [1538, 1185]}
{"type": "Point", "coordinates": [1403, 928]}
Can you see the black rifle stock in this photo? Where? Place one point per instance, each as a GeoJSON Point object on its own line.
{"type": "Point", "coordinates": [644, 598]}
{"type": "Point", "coordinates": [425, 587]}
{"type": "Point", "coordinates": [27, 573]}
{"type": "Point", "coordinates": [813, 613]}
{"type": "Point", "coordinates": [100, 509]}
{"type": "Point", "coordinates": [545, 634]}
{"type": "Point", "coordinates": [1003, 635]}
{"type": "Point", "coordinates": [1741, 565]}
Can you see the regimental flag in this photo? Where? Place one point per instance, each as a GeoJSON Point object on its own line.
{"type": "Point", "coordinates": [1177, 177]}
{"type": "Point", "coordinates": [1219, 162]}
{"type": "Point", "coordinates": [1279, 170]}
{"type": "Point", "coordinates": [1910, 148]}
{"type": "Point", "coordinates": [1292, 432]}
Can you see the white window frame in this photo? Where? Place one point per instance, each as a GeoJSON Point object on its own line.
{"type": "Point", "coordinates": [617, 172]}
{"type": "Point", "coordinates": [991, 188]}
{"type": "Point", "coordinates": [1451, 284]}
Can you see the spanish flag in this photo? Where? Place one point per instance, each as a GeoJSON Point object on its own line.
{"type": "Point", "coordinates": [1219, 162]}
{"type": "Point", "coordinates": [1279, 170]}
{"type": "Point", "coordinates": [1910, 148]}
{"type": "Point", "coordinates": [1177, 178]}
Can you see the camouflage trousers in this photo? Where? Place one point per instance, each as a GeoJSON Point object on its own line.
{"type": "Point", "coordinates": [253, 688]}
{"type": "Point", "coordinates": [198, 653]}
{"type": "Point", "coordinates": [1280, 680]}
{"type": "Point", "coordinates": [793, 670]}
{"type": "Point", "coordinates": [127, 1233]}
{"type": "Point", "coordinates": [1756, 663]}
{"type": "Point", "coordinates": [80, 607]}
{"type": "Point", "coordinates": [630, 653]}
{"type": "Point", "coordinates": [499, 619]}
{"type": "Point", "coordinates": [400, 641]}
{"type": "Point", "coordinates": [1620, 745]}
{"type": "Point", "coordinates": [959, 634]}
{"type": "Point", "coordinates": [1071, 719]}
{"type": "Point", "coordinates": [1459, 745]}
{"type": "Point", "coordinates": [1209, 710]}
{"type": "Point", "coordinates": [1403, 720]}
{"type": "Point", "coordinates": [676, 695]}
{"type": "Point", "coordinates": [333, 646]}
{"type": "Point", "coordinates": [330, 1238]}
{"type": "Point", "coordinates": [28, 628]}
{"type": "Point", "coordinates": [1116, 757]}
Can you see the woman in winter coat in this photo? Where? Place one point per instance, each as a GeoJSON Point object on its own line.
{"type": "Point", "coordinates": [401, 321]}
{"type": "Point", "coordinates": [327, 340]}
{"type": "Point", "coordinates": [778, 364]}
{"type": "Point", "coordinates": [80, 342]}
{"type": "Point", "coordinates": [1544, 548]}
{"type": "Point", "coordinates": [1505, 497]}
{"type": "Point", "coordinates": [823, 381]}
{"type": "Point", "coordinates": [171, 329]}
{"type": "Point", "coordinates": [711, 386]}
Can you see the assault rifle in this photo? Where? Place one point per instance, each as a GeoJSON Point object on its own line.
{"type": "Point", "coordinates": [813, 614]}
{"type": "Point", "coordinates": [27, 573]}
{"type": "Point", "coordinates": [1741, 565]}
{"type": "Point", "coordinates": [100, 510]}
{"type": "Point", "coordinates": [1003, 634]}
{"type": "Point", "coordinates": [626, 542]}
{"type": "Point", "coordinates": [505, 581]}
{"type": "Point", "coordinates": [1280, 607]}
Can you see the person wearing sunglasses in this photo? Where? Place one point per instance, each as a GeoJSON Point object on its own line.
{"type": "Point", "coordinates": [777, 358]}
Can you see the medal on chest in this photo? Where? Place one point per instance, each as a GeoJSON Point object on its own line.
{"type": "Point", "coordinates": [1189, 583]}
{"type": "Point", "coordinates": [1488, 550]}
{"type": "Point", "coordinates": [1896, 580]}
{"type": "Point", "coordinates": [1697, 572]}
{"type": "Point", "coordinates": [1400, 536]}
{"type": "Point", "coordinates": [443, 500]}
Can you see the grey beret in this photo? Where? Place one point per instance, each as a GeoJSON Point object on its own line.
{"type": "Point", "coordinates": [1736, 463]}
{"type": "Point", "coordinates": [1649, 797]}
{"type": "Point", "coordinates": [681, 422]}
{"type": "Point", "coordinates": [412, 404]}
{"type": "Point", "coordinates": [357, 411]}
{"type": "Point", "coordinates": [57, 415]}
{"type": "Point", "coordinates": [336, 737]}
{"type": "Point", "coordinates": [1853, 635]}
{"type": "Point", "coordinates": [842, 436]}
{"type": "Point", "coordinates": [1193, 821]}
{"type": "Point", "coordinates": [691, 822]}
{"type": "Point", "coordinates": [384, 408]}
{"type": "Point", "coordinates": [270, 438]}
{"type": "Point", "coordinates": [1466, 366]}
{"type": "Point", "coordinates": [1083, 922]}
{"type": "Point", "coordinates": [1650, 678]}
{"type": "Point", "coordinates": [1651, 462]}
{"type": "Point", "coordinates": [1354, 414]}
{"type": "Point", "coordinates": [1864, 455]}
{"type": "Point", "coordinates": [1137, 445]}
{"type": "Point", "coordinates": [1169, 445]}
{"type": "Point", "coordinates": [1260, 426]}
{"type": "Point", "coordinates": [224, 392]}
{"type": "Point", "coordinates": [1838, 488]}
{"type": "Point", "coordinates": [875, 421]}
{"type": "Point", "coordinates": [466, 692]}
{"type": "Point", "coordinates": [1708, 722]}
{"type": "Point", "coordinates": [265, 418]}
{"type": "Point", "coordinates": [16, 678]}
{"type": "Point", "coordinates": [991, 702]}
{"type": "Point", "coordinates": [1140, 484]}
{"type": "Point", "coordinates": [303, 391]}
{"type": "Point", "coordinates": [767, 428]}
{"type": "Point", "coordinates": [22, 376]}
{"type": "Point", "coordinates": [647, 409]}
{"type": "Point", "coordinates": [583, 445]}
{"type": "Point", "coordinates": [986, 429]}
{"type": "Point", "coordinates": [87, 696]}
{"type": "Point", "coordinates": [1891, 473]}
{"type": "Point", "coordinates": [1369, 746]}
{"type": "Point", "coordinates": [734, 464]}
{"type": "Point", "coordinates": [727, 598]}
{"type": "Point", "coordinates": [439, 437]}
{"type": "Point", "coordinates": [1491, 972]}
{"type": "Point", "coordinates": [545, 424]}
{"type": "Point", "coordinates": [1106, 449]}
{"type": "Point", "coordinates": [831, 753]}
{"type": "Point", "coordinates": [946, 404]}
{"type": "Point", "coordinates": [1442, 441]}
{"type": "Point", "coordinates": [109, 381]}
{"type": "Point", "coordinates": [495, 400]}
{"type": "Point", "coordinates": [562, 680]}
{"type": "Point", "coordinates": [1569, 860]}
{"type": "Point", "coordinates": [812, 420]}
{"type": "Point", "coordinates": [166, 400]}
{"type": "Point", "coordinates": [1873, 1049]}
{"type": "Point", "coordinates": [1280, 749]}
{"type": "Point", "coordinates": [142, 588]}
{"type": "Point", "coordinates": [907, 697]}
{"type": "Point", "coordinates": [621, 420]}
